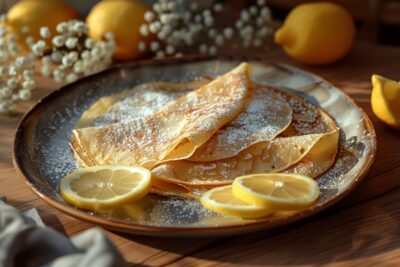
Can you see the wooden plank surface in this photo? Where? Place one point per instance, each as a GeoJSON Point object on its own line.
{"type": "Point", "coordinates": [362, 230]}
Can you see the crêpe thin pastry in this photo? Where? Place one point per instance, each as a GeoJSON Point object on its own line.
{"type": "Point", "coordinates": [272, 156]}
{"type": "Point", "coordinates": [306, 118]}
{"type": "Point", "coordinates": [320, 158]}
{"type": "Point", "coordinates": [267, 115]}
{"type": "Point", "coordinates": [136, 102]}
{"type": "Point", "coordinates": [174, 132]}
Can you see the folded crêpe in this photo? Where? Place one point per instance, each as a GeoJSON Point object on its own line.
{"type": "Point", "coordinates": [310, 155]}
{"type": "Point", "coordinates": [171, 133]}
{"type": "Point", "coordinates": [267, 115]}
{"type": "Point", "coordinates": [136, 102]}
{"type": "Point", "coordinates": [308, 146]}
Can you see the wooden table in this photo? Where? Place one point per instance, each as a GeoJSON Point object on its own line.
{"type": "Point", "coordinates": [362, 230]}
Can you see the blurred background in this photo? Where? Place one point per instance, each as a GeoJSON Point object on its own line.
{"type": "Point", "coordinates": [378, 21]}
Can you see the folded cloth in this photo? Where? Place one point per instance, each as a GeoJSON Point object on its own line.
{"type": "Point", "coordinates": [23, 243]}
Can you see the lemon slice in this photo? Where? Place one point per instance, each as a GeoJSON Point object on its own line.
{"type": "Point", "coordinates": [221, 200]}
{"type": "Point", "coordinates": [276, 191]}
{"type": "Point", "coordinates": [105, 187]}
{"type": "Point", "coordinates": [385, 100]}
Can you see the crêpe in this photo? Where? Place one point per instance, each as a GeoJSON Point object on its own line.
{"type": "Point", "coordinates": [173, 132]}
{"type": "Point", "coordinates": [310, 126]}
{"type": "Point", "coordinates": [136, 102]}
{"type": "Point", "coordinates": [307, 118]}
{"type": "Point", "coordinates": [267, 115]}
{"type": "Point", "coordinates": [302, 154]}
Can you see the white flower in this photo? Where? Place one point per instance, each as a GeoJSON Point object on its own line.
{"type": "Point", "coordinates": [46, 60]}
{"type": "Point", "coordinates": [239, 24]}
{"type": "Point", "coordinates": [209, 21]}
{"type": "Point", "coordinates": [39, 47]}
{"type": "Point", "coordinates": [219, 40]}
{"type": "Point", "coordinates": [155, 27]}
{"type": "Point", "coordinates": [218, 7]}
{"type": "Point", "coordinates": [71, 77]}
{"type": "Point", "coordinates": [244, 15]}
{"type": "Point", "coordinates": [154, 46]}
{"type": "Point", "coordinates": [78, 67]}
{"type": "Point", "coordinates": [253, 10]}
{"type": "Point", "coordinates": [89, 43]}
{"type": "Point", "coordinates": [71, 42]}
{"type": "Point", "coordinates": [170, 50]}
{"type": "Point", "coordinates": [144, 30]}
{"type": "Point", "coordinates": [228, 33]}
{"type": "Point", "coordinates": [28, 84]}
{"type": "Point", "coordinates": [12, 83]}
{"type": "Point", "coordinates": [29, 41]}
{"type": "Point", "coordinates": [149, 16]}
{"type": "Point", "coordinates": [56, 56]}
{"type": "Point", "coordinates": [58, 40]}
{"type": "Point", "coordinates": [142, 46]}
{"type": "Point", "coordinates": [80, 28]}
{"type": "Point", "coordinates": [212, 50]}
{"type": "Point", "coordinates": [266, 13]}
{"type": "Point", "coordinates": [28, 74]}
{"type": "Point", "coordinates": [203, 48]}
{"type": "Point", "coordinates": [45, 32]}
{"type": "Point", "coordinates": [260, 2]}
{"type": "Point", "coordinates": [62, 27]}
{"type": "Point", "coordinates": [24, 94]}
{"type": "Point", "coordinates": [46, 70]}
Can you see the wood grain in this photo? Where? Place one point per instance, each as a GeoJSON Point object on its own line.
{"type": "Point", "coordinates": [362, 230]}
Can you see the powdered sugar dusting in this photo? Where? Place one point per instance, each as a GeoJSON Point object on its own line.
{"type": "Point", "coordinates": [266, 115]}
{"type": "Point", "coordinates": [145, 140]}
{"type": "Point", "coordinates": [141, 102]}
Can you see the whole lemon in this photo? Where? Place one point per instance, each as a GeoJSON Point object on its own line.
{"type": "Point", "coordinates": [123, 18]}
{"type": "Point", "coordinates": [385, 100]}
{"type": "Point", "coordinates": [35, 14]}
{"type": "Point", "coordinates": [317, 33]}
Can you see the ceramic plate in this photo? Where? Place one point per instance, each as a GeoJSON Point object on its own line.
{"type": "Point", "coordinates": [42, 154]}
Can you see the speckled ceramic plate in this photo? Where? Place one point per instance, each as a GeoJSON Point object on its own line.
{"type": "Point", "coordinates": [42, 154]}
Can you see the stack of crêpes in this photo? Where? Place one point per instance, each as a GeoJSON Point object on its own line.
{"type": "Point", "coordinates": [202, 134]}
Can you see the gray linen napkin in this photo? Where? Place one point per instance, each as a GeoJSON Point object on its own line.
{"type": "Point", "coordinates": [24, 243]}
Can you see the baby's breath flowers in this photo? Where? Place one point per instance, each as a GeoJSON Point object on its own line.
{"type": "Point", "coordinates": [72, 53]}
{"type": "Point", "coordinates": [254, 24]}
{"type": "Point", "coordinates": [16, 71]}
{"type": "Point", "coordinates": [65, 56]}
{"type": "Point", "coordinates": [182, 26]}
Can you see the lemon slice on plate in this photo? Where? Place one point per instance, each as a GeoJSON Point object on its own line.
{"type": "Point", "coordinates": [105, 187]}
{"type": "Point", "coordinates": [221, 200]}
{"type": "Point", "coordinates": [276, 191]}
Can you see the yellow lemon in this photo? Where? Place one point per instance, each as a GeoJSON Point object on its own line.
{"type": "Point", "coordinates": [276, 191]}
{"type": "Point", "coordinates": [221, 200]}
{"type": "Point", "coordinates": [385, 100]}
{"type": "Point", "coordinates": [35, 14]}
{"type": "Point", "coordinates": [123, 18]}
{"type": "Point", "coordinates": [105, 187]}
{"type": "Point", "coordinates": [317, 33]}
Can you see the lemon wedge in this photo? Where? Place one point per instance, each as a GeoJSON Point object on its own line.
{"type": "Point", "coordinates": [222, 201]}
{"type": "Point", "coordinates": [105, 187]}
{"type": "Point", "coordinates": [276, 191]}
{"type": "Point", "coordinates": [385, 100]}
